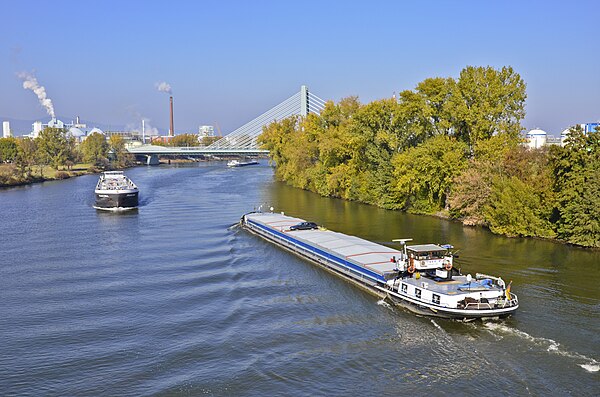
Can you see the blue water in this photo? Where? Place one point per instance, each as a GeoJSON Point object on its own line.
{"type": "Point", "coordinates": [174, 299]}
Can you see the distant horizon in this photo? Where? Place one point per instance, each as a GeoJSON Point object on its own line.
{"type": "Point", "coordinates": [227, 62]}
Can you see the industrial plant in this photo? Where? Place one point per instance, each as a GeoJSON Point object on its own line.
{"type": "Point", "coordinates": [538, 138]}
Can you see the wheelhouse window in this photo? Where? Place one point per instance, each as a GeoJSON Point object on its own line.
{"type": "Point", "coordinates": [418, 293]}
{"type": "Point", "coordinates": [404, 288]}
{"type": "Point", "coordinates": [436, 299]}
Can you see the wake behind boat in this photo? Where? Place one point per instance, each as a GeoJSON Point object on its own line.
{"type": "Point", "coordinates": [115, 192]}
{"type": "Point", "coordinates": [421, 278]}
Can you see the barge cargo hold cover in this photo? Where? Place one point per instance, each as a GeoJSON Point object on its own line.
{"type": "Point", "coordinates": [421, 278]}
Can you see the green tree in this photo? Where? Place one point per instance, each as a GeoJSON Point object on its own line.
{"type": "Point", "coordinates": [207, 140]}
{"type": "Point", "coordinates": [275, 138]}
{"type": "Point", "coordinates": [27, 156]}
{"type": "Point", "coordinates": [514, 209]}
{"type": "Point", "coordinates": [122, 157]}
{"type": "Point", "coordinates": [487, 102]}
{"type": "Point", "coordinates": [501, 168]}
{"type": "Point", "coordinates": [426, 111]}
{"type": "Point", "coordinates": [8, 149]}
{"type": "Point", "coordinates": [95, 149]}
{"type": "Point", "coordinates": [424, 174]}
{"type": "Point", "coordinates": [577, 188]}
{"type": "Point", "coordinates": [53, 147]}
{"type": "Point", "coordinates": [185, 140]}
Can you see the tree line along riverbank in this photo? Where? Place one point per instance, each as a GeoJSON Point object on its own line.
{"type": "Point", "coordinates": [451, 148]}
{"type": "Point", "coordinates": [55, 155]}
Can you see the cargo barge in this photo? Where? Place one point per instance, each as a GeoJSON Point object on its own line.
{"type": "Point", "coordinates": [421, 278]}
{"type": "Point", "coordinates": [115, 192]}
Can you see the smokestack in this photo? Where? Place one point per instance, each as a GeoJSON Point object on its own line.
{"type": "Point", "coordinates": [171, 131]}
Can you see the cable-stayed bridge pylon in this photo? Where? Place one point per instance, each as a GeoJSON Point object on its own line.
{"type": "Point", "coordinates": [244, 138]}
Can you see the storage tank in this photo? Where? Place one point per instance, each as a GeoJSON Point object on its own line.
{"type": "Point", "coordinates": [536, 138]}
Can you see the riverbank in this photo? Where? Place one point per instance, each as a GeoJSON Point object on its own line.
{"type": "Point", "coordinates": [9, 174]}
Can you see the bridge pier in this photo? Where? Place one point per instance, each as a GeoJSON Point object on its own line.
{"type": "Point", "coordinates": [152, 159]}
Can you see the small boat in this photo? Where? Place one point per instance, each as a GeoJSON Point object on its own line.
{"type": "Point", "coordinates": [421, 278]}
{"type": "Point", "coordinates": [115, 192]}
{"type": "Point", "coordinates": [238, 163]}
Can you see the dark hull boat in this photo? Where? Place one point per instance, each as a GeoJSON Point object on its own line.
{"type": "Point", "coordinates": [116, 192]}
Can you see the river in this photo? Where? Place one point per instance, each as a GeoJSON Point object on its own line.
{"type": "Point", "coordinates": [174, 299]}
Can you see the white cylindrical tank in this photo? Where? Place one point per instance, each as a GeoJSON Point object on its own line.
{"type": "Point", "coordinates": [6, 129]}
{"type": "Point", "coordinates": [564, 135]}
{"type": "Point", "coordinates": [536, 138]}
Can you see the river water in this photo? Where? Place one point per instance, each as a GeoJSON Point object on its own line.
{"type": "Point", "coordinates": [172, 299]}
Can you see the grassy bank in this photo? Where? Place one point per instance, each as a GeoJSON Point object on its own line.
{"type": "Point", "coordinates": [10, 175]}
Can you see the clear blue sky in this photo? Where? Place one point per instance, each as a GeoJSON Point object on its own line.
{"type": "Point", "coordinates": [229, 61]}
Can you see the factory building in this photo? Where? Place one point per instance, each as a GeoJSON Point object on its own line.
{"type": "Point", "coordinates": [537, 138]}
{"type": "Point", "coordinates": [38, 127]}
{"type": "Point", "coordinates": [76, 129]}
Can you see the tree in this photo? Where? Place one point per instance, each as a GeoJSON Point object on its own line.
{"type": "Point", "coordinates": [207, 140]}
{"type": "Point", "coordinates": [53, 147]}
{"type": "Point", "coordinates": [514, 209]}
{"type": "Point", "coordinates": [470, 194]}
{"type": "Point", "coordinates": [577, 188]}
{"type": "Point", "coordinates": [8, 149]}
{"type": "Point", "coordinates": [95, 149]}
{"type": "Point", "coordinates": [426, 111]}
{"type": "Point", "coordinates": [482, 195]}
{"type": "Point", "coordinates": [487, 102]}
{"type": "Point", "coordinates": [275, 138]}
{"type": "Point", "coordinates": [121, 156]}
{"type": "Point", "coordinates": [26, 157]}
{"type": "Point", "coordinates": [424, 175]}
{"type": "Point", "coordinates": [446, 145]}
{"type": "Point", "coordinates": [185, 140]}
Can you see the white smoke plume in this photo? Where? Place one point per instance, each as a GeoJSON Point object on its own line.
{"type": "Point", "coordinates": [30, 83]}
{"type": "Point", "coordinates": [163, 86]}
{"type": "Point", "coordinates": [137, 127]}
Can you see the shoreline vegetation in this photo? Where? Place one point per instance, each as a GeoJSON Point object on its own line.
{"type": "Point", "coordinates": [53, 155]}
{"type": "Point", "coordinates": [449, 148]}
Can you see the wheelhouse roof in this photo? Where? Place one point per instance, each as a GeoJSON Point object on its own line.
{"type": "Point", "coordinates": [425, 248]}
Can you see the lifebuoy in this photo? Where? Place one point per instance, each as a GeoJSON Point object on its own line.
{"type": "Point", "coordinates": [447, 265]}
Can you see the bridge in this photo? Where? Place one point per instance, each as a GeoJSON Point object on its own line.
{"type": "Point", "coordinates": [242, 141]}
